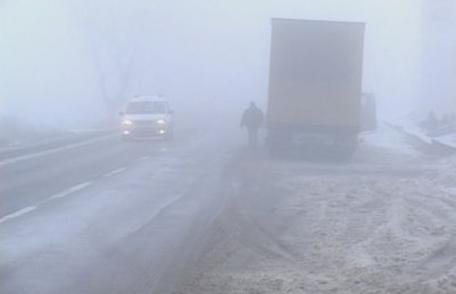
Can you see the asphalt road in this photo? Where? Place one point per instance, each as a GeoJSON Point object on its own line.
{"type": "Point", "coordinates": [105, 216]}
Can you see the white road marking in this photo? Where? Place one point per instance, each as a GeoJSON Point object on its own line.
{"type": "Point", "coordinates": [51, 151]}
{"type": "Point", "coordinates": [115, 172]}
{"type": "Point", "coordinates": [69, 191]}
{"type": "Point", "coordinates": [17, 214]}
{"type": "Point", "coordinates": [62, 194]}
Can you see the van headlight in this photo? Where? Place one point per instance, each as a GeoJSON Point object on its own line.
{"type": "Point", "coordinates": [161, 122]}
{"type": "Point", "coordinates": [127, 122]}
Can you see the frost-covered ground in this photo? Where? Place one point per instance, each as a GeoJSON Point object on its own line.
{"type": "Point", "coordinates": [145, 217]}
{"type": "Point", "coordinates": [383, 223]}
{"type": "Point", "coordinates": [386, 140]}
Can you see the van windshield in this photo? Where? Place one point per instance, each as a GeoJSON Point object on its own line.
{"type": "Point", "coordinates": [146, 107]}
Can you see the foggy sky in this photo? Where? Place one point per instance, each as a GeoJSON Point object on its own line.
{"type": "Point", "coordinates": [199, 53]}
{"type": "Point", "coordinates": [439, 52]}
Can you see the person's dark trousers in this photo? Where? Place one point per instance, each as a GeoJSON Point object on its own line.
{"type": "Point", "coordinates": [253, 137]}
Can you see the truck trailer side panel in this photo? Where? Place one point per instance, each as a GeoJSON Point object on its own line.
{"type": "Point", "coordinates": [315, 75]}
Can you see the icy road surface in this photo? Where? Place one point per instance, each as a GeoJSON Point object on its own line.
{"type": "Point", "coordinates": [106, 216]}
{"type": "Point", "coordinates": [383, 223]}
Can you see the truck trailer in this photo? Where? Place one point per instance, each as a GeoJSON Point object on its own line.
{"type": "Point", "coordinates": [315, 86]}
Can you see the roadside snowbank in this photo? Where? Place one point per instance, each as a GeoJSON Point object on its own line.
{"type": "Point", "coordinates": [388, 139]}
{"type": "Point", "coordinates": [410, 126]}
{"type": "Point", "coordinates": [14, 133]}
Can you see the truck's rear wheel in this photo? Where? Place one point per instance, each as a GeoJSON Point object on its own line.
{"type": "Point", "coordinates": [345, 147]}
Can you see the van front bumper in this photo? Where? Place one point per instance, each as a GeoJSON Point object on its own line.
{"type": "Point", "coordinates": [144, 132]}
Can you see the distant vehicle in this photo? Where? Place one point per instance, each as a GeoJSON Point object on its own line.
{"type": "Point", "coordinates": [315, 86]}
{"type": "Point", "coordinates": [147, 117]}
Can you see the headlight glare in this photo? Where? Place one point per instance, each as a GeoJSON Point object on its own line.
{"type": "Point", "coordinates": [127, 122]}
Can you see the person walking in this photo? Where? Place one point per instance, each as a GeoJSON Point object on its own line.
{"type": "Point", "coordinates": [252, 119]}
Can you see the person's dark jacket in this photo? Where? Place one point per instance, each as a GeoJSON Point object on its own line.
{"type": "Point", "coordinates": [252, 118]}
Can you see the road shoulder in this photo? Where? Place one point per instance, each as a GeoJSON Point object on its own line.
{"type": "Point", "coordinates": [302, 228]}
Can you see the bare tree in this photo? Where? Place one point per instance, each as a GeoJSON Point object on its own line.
{"type": "Point", "coordinates": [107, 34]}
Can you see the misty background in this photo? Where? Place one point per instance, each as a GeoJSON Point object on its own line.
{"type": "Point", "coordinates": [73, 63]}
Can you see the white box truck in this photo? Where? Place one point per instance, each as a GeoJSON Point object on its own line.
{"type": "Point", "coordinates": [315, 85]}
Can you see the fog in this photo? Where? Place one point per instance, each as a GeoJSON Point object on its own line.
{"type": "Point", "coordinates": [72, 61]}
{"type": "Point", "coordinates": [201, 147]}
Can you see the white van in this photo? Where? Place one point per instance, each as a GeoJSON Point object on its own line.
{"type": "Point", "coordinates": [147, 117]}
